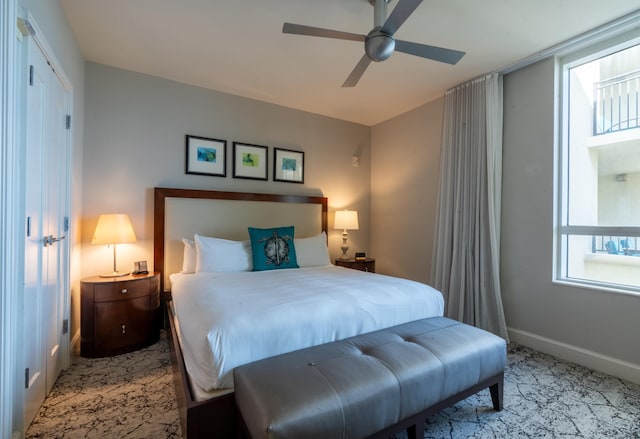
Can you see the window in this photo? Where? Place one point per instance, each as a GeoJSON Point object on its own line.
{"type": "Point", "coordinates": [598, 199]}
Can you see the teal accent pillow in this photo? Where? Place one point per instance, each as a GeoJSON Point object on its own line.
{"type": "Point", "coordinates": [273, 249]}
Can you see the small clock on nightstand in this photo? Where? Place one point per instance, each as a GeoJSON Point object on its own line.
{"type": "Point", "coordinates": [368, 264]}
{"type": "Point", "coordinates": [119, 314]}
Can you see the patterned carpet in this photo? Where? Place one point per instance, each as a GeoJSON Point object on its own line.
{"type": "Point", "coordinates": [132, 396]}
{"type": "Point", "coordinates": [126, 396]}
{"type": "Point", "coordinates": [545, 398]}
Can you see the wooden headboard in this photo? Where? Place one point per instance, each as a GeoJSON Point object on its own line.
{"type": "Point", "coordinates": [180, 213]}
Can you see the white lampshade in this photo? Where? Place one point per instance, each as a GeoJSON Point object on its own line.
{"type": "Point", "coordinates": [113, 228]}
{"type": "Point", "coordinates": [346, 220]}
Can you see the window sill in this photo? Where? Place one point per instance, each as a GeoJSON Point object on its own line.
{"type": "Point", "coordinates": [605, 288]}
{"type": "Point", "coordinates": [620, 259]}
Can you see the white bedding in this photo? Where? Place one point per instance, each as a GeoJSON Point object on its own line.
{"type": "Point", "coordinates": [229, 319]}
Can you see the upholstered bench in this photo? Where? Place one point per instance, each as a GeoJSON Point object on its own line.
{"type": "Point", "coordinates": [373, 384]}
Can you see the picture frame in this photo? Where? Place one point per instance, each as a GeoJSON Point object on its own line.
{"type": "Point", "coordinates": [288, 165]}
{"type": "Point", "coordinates": [250, 161]}
{"type": "Point", "coordinates": [205, 156]}
{"type": "Point", "coordinates": [140, 267]}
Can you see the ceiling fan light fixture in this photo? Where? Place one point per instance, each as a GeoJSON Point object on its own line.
{"type": "Point", "coordinates": [379, 46]}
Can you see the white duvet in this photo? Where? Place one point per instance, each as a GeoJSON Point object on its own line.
{"type": "Point", "coordinates": [229, 319]}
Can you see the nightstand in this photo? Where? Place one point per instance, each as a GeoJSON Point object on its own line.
{"type": "Point", "coordinates": [369, 264]}
{"type": "Point", "coordinates": [119, 314]}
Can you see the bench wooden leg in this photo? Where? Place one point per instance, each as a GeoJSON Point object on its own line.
{"type": "Point", "coordinates": [497, 394]}
{"type": "Point", "coordinates": [413, 432]}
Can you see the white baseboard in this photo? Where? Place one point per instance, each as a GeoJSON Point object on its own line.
{"type": "Point", "coordinates": [593, 360]}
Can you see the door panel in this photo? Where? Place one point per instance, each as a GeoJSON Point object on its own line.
{"type": "Point", "coordinates": [55, 193]}
{"type": "Point", "coordinates": [122, 323]}
{"type": "Point", "coordinates": [34, 344]}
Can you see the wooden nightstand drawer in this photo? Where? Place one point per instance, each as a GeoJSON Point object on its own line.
{"type": "Point", "coordinates": [109, 292]}
{"type": "Point", "coordinates": [369, 264]}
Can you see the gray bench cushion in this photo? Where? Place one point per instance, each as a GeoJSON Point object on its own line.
{"type": "Point", "coordinates": [359, 386]}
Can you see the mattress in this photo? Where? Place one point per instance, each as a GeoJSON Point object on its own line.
{"type": "Point", "coordinates": [230, 319]}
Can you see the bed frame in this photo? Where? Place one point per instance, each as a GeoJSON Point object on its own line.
{"type": "Point", "coordinates": [215, 417]}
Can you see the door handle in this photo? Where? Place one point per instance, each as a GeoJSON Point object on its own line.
{"type": "Point", "coordinates": [50, 240]}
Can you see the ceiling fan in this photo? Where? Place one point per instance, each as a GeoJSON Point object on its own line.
{"type": "Point", "coordinates": [379, 44]}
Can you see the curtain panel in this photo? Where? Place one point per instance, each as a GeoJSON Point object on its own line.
{"type": "Point", "coordinates": [466, 254]}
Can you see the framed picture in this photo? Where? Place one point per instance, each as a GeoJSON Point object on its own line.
{"type": "Point", "coordinates": [206, 156]}
{"type": "Point", "coordinates": [288, 165]}
{"type": "Point", "coordinates": [250, 161]}
{"type": "Point", "coordinates": [140, 267]}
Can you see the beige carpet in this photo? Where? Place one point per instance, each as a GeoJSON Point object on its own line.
{"type": "Point", "coordinates": [132, 396]}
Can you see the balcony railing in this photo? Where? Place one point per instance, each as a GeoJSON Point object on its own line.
{"type": "Point", "coordinates": [617, 104]}
{"type": "Point", "coordinates": [616, 245]}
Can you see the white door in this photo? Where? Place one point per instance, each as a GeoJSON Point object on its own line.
{"type": "Point", "coordinates": [46, 252]}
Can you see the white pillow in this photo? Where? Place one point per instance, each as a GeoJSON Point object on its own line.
{"type": "Point", "coordinates": [312, 252]}
{"type": "Point", "coordinates": [222, 255]}
{"type": "Point", "coordinates": [189, 257]}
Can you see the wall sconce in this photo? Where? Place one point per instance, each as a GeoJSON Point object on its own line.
{"type": "Point", "coordinates": [345, 220]}
{"type": "Point", "coordinates": [113, 229]}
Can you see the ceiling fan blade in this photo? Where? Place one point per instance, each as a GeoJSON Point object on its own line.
{"type": "Point", "coordinates": [300, 29]}
{"type": "Point", "coordinates": [400, 13]}
{"type": "Point", "coordinates": [357, 72]}
{"type": "Point", "coordinates": [448, 56]}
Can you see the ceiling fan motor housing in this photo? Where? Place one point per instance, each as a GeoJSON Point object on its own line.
{"type": "Point", "coordinates": [379, 45]}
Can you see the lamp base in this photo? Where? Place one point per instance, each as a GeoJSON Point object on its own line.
{"type": "Point", "coordinates": [115, 274]}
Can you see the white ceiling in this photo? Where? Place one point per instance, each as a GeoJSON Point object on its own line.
{"type": "Point", "coordinates": [236, 46]}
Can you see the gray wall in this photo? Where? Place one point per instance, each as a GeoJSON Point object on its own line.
{"type": "Point", "coordinates": [405, 169]}
{"type": "Point", "coordinates": [135, 140]}
{"type": "Point", "coordinates": [538, 311]}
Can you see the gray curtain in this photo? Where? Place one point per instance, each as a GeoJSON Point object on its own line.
{"type": "Point", "coordinates": [466, 254]}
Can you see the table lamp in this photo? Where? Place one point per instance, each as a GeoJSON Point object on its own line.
{"type": "Point", "coordinates": [112, 229]}
{"type": "Point", "coordinates": [345, 220]}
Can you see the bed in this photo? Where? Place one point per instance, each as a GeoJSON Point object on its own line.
{"type": "Point", "coordinates": [220, 319]}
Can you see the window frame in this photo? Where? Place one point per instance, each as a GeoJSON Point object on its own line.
{"type": "Point", "coordinates": [564, 63]}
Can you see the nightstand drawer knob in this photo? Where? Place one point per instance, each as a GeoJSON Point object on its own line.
{"type": "Point", "coordinates": [124, 291]}
{"type": "Point", "coordinates": [124, 329]}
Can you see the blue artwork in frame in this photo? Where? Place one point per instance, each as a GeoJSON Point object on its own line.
{"type": "Point", "coordinates": [206, 156]}
{"type": "Point", "coordinates": [288, 165]}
